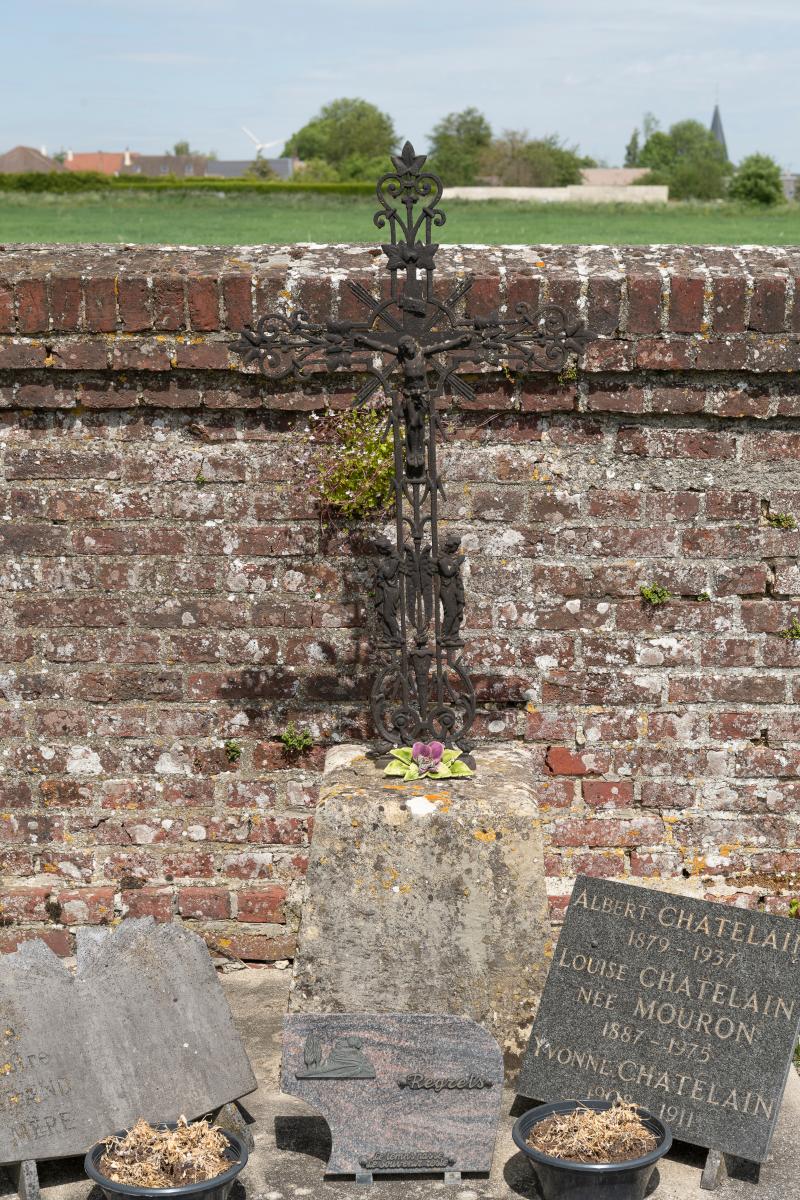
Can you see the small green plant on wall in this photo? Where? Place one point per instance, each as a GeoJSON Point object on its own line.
{"type": "Point", "coordinates": [296, 741]}
{"type": "Point", "coordinates": [793, 631]}
{"type": "Point", "coordinates": [233, 751]}
{"type": "Point", "coordinates": [654, 594]}
{"type": "Point", "coordinates": [353, 464]}
{"type": "Point", "coordinates": [781, 520]}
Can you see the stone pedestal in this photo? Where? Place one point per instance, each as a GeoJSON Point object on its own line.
{"type": "Point", "coordinates": [426, 897]}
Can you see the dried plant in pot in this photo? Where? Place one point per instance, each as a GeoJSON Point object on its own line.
{"type": "Point", "coordinates": [193, 1161]}
{"type": "Point", "coordinates": [630, 1139]}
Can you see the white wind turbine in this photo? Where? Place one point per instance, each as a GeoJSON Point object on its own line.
{"type": "Point", "coordinates": [259, 145]}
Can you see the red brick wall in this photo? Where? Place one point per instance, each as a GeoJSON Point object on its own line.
{"type": "Point", "coordinates": [148, 617]}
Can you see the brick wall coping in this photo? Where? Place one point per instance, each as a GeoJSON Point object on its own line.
{"type": "Point", "coordinates": [125, 326]}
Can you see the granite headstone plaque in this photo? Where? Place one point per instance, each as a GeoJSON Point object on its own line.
{"type": "Point", "coordinates": [141, 1029]}
{"type": "Point", "coordinates": [402, 1093]}
{"type": "Point", "coordinates": [686, 1007]}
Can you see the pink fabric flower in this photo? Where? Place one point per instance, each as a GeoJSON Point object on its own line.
{"type": "Point", "coordinates": [427, 755]}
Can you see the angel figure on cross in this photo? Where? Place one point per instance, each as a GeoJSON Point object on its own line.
{"type": "Point", "coordinates": [412, 358]}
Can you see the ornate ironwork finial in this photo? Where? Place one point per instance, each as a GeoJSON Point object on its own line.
{"type": "Point", "coordinates": [410, 346]}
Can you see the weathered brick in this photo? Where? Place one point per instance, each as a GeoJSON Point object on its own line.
{"type": "Point", "coordinates": [168, 303]}
{"type": "Point", "coordinates": [768, 305]}
{"type": "Point", "coordinates": [148, 902]}
{"type": "Point", "coordinates": [134, 304]}
{"type": "Point", "coordinates": [7, 321]}
{"type": "Point", "coordinates": [608, 794]}
{"type": "Point", "coordinates": [100, 305]}
{"type": "Point", "coordinates": [32, 307]}
{"type": "Point", "coordinates": [87, 906]}
{"type": "Point", "coordinates": [212, 903]}
{"type": "Point", "coordinates": [265, 904]}
{"type": "Point", "coordinates": [203, 302]}
{"type": "Point", "coordinates": [729, 304]}
{"type": "Point", "coordinates": [686, 303]}
{"type": "Point", "coordinates": [66, 303]}
{"type": "Point", "coordinates": [237, 297]}
{"type": "Point", "coordinates": [644, 303]}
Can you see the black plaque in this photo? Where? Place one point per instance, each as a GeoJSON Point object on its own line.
{"type": "Point", "coordinates": [688, 1008]}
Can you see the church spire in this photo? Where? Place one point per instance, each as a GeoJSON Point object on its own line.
{"type": "Point", "coordinates": [718, 131]}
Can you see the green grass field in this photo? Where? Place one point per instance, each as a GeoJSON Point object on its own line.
{"type": "Point", "coordinates": [212, 218]}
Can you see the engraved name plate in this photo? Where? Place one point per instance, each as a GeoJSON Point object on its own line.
{"type": "Point", "coordinates": [688, 1008]}
{"type": "Point", "coordinates": [401, 1092]}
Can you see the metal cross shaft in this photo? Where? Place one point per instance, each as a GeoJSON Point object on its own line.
{"type": "Point", "coordinates": [410, 346]}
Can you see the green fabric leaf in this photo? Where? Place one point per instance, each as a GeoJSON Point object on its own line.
{"type": "Point", "coordinates": [450, 756]}
{"type": "Point", "coordinates": [441, 772]}
{"type": "Point", "coordinates": [460, 768]}
{"type": "Point", "coordinates": [403, 754]}
{"type": "Point", "coordinates": [411, 773]}
{"type": "Point", "coordinates": [395, 768]}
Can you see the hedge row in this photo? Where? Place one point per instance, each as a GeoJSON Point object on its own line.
{"type": "Point", "coordinates": [93, 181]}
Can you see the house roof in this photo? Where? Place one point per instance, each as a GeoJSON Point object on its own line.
{"type": "Point", "coordinates": [717, 130]}
{"type": "Point", "coordinates": [105, 161]}
{"type": "Point", "coordinates": [24, 159]}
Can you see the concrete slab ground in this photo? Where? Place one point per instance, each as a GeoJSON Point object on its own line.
{"type": "Point", "coordinates": [292, 1142]}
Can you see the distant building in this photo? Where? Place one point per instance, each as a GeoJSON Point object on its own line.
{"type": "Point", "coordinates": [718, 131]}
{"type": "Point", "coordinates": [24, 159]}
{"type": "Point", "coordinates": [183, 166]}
{"type": "Point", "coordinates": [197, 166]}
{"type": "Point", "coordinates": [789, 183]}
{"type": "Point", "coordinates": [612, 176]}
{"type": "Point", "coordinates": [106, 162]}
{"type": "Point", "coordinates": [236, 168]}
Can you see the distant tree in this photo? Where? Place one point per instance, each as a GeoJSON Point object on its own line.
{"type": "Point", "coordinates": [360, 168]}
{"type": "Point", "coordinates": [457, 143]}
{"type": "Point", "coordinates": [757, 181]}
{"type": "Point", "coordinates": [688, 158]}
{"type": "Point", "coordinates": [260, 169]}
{"type": "Point", "coordinates": [650, 123]}
{"type": "Point", "coordinates": [516, 161]}
{"type": "Point", "coordinates": [316, 170]}
{"type": "Point", "coordinates": [343, 130]}
{"type": "Point", "coordinates": [183, 149]}
{"type": "Point", "coordinates": [633, 150]}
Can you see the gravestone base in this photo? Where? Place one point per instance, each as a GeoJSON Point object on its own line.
{"type": "Point", "coordinates": [426, 896]}
{"type": "Point", "coordinates": [25, 1178]}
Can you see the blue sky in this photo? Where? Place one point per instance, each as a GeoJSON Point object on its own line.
{"type": "Point", "coordinates": [105, 74]}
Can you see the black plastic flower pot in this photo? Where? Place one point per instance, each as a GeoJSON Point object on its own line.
{"type": "Point", "coordinates": [217, 1188]}
{"type": "Point", "coordinates": [562, 1179]}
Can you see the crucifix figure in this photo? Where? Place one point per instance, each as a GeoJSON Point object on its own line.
{"type": "Point", "coordinates": [412, 358]}
{"type": "Point", "coordinates": [410, 346]}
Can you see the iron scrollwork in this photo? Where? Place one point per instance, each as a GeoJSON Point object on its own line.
{"type": "Point", "coordinates": [410, 346]}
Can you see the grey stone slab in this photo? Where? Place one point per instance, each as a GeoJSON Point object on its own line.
{"type": "Point", "coordinates": [141, 1029]}
{"type": "Point", "coordinates": [686, 1007]}
{"type": "Point", "coordinates": [426, 897]}
{"type": "Point", "coordinates": [402, 1093]}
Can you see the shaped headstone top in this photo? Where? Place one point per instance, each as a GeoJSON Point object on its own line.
{"type": "Point", "coordinates": [402, 1093]}
{"type": "Point", "coordinates": [141, 1029]}
{"type": "Point", "coordinates": [688, 1008]}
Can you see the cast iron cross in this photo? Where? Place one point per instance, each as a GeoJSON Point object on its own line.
{"type": "Point", "coordinates": [411, 346]}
